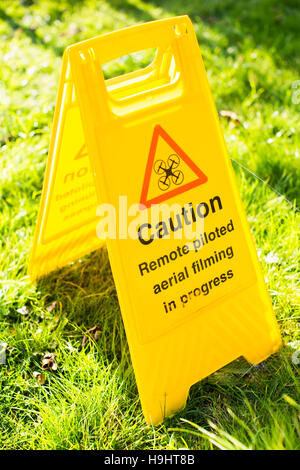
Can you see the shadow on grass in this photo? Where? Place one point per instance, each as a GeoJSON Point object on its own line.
{"type": "Point", "coordinates": [86, 294]}
{"type": "Point", "coordinates": [268, 23]}
{"type": "Point", "coordinates": [88, 297]}
{"type": "Point", "coordinates": [271, 24]}
{"type": "Point", "coordinates": [31, 33]}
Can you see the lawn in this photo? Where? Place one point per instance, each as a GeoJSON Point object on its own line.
{"type": "Point", "coordinates": [87, 398]}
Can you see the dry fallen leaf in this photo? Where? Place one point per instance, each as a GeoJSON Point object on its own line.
{"type": "Point", "coordinates": [231, 116]}
{"type": "Point", "coordinates": [51, 306]}
{"type": "Point", "coordinates": [40, 378]}
{"type": "Point", "coordinates": [92, 332]}
{"type": "Point", "coordinates": [48, 362]}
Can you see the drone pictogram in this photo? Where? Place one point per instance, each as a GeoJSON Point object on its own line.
{"type": "Point", "coordinates": [169, 172]}
{"type": "Point", "coordinates": [169, 175]}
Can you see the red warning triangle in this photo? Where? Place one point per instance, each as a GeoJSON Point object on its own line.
{"type": "Point", "coordinates": [169, 170]}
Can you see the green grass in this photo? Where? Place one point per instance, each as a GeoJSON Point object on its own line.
{"type": "Point", "coordinates": [250, 50]}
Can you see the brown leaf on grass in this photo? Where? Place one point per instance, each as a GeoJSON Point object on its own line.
{"type": "Point", "coordinates": [91, 333]}
{"type": "Point", "coordinates": [40, 378]}
{"type": "Point", "coordinates": [51, 306]}
{"type": "Point", "coordinates": [48, 362]}
{"type": "Point", "coordinates": [231, 116]}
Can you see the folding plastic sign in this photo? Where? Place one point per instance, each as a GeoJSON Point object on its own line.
{"type": "Point", "coordinates": [190, 305]}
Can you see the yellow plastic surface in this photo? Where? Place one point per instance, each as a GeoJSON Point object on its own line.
{"type": "Point", "coordinates": [187, 312]}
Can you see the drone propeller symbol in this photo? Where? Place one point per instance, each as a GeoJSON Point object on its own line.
{"type": "Point", "coordinates": [168, 172]}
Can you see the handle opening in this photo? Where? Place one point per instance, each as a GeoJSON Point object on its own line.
{"type": "Point", "coordinates": [166, 77]}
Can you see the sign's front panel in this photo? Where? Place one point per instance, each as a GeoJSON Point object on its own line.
{"type": "Point", "coordinates": [191, 290]}
{"type": "Point", "coordinates": [192, 255]}
{"type": "Point", "coordinates": [192, 304]}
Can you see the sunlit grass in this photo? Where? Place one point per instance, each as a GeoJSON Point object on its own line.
{"type": "Point", "coordinates": [250, 50]}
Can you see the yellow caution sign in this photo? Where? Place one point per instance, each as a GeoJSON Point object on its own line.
{"type": "Point", "coordinates": [144, 153]}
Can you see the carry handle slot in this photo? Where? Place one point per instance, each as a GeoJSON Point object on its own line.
{"type": "Point", "coordinates": [161, 72]}
{"type": "Point", "coordinates": [149, 35]}
{"type": "Point", "coordinates": [137, 61]}
{"type": "Point", "coordinates": [173, 39]}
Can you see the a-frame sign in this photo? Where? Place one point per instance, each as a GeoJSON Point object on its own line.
{"type": "Point", "coordinates": [189, 305]}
